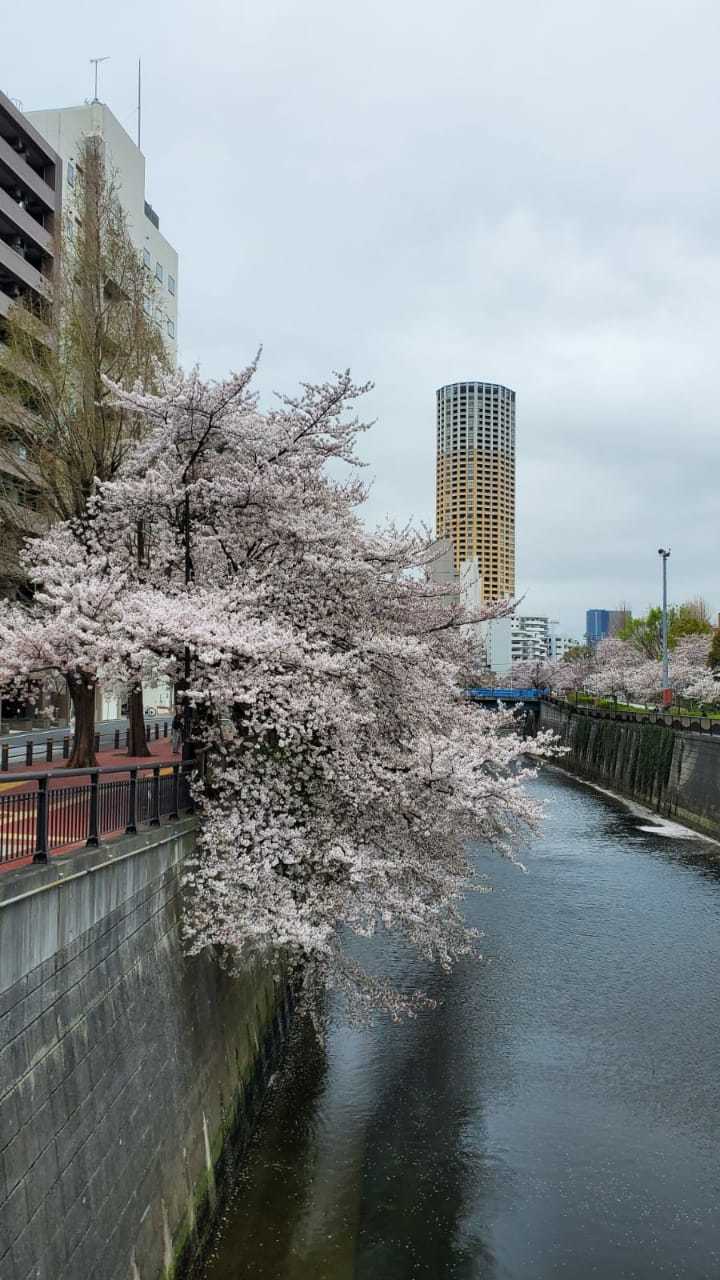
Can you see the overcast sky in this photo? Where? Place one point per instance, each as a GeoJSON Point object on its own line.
{"type": "Point", "coordinates": [523, 193]}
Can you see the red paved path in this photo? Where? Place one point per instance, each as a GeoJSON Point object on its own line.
{"type": "Point", "coordinates": [160, 753]}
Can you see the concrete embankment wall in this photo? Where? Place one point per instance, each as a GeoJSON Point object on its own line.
{"type": "Point", "coordinates": [675, 772]}
{"type": "Point", "coordinates": [123, 1064]}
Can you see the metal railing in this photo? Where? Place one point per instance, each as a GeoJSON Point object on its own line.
{"type": "Point", "coordinates": [59, 743]}
{"type": "Point", "coordinates": [669, 720]}
{"type": "Point", "coordinates": [46, 812]}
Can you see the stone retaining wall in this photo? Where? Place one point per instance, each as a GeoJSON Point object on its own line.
{"type": "Point", "coordinates": [123, 1064]}
{"type": "Point", "coordinates": [675, 772]}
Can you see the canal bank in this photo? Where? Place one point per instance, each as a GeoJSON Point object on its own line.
{"type": "Point", "coordinates": [674, 771]}
{"type": "Point", "coordinates": [126, 1066]}
{"type": "Point", "coordinates": [557, 1114]}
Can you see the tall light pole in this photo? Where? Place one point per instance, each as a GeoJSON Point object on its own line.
{"type": "Point", "coordinates": [666, 691]}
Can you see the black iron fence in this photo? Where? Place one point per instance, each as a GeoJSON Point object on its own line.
{"type": "Point", "coordinates": [59, 743]}
{"type": "Point", "coordinates": [44, 812]}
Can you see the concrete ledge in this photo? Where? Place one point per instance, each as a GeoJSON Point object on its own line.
{"type": "Point", "coordinates": [37, 876]}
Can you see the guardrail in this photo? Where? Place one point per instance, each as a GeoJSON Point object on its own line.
{"type": "Point", "coordinates": [58, 745]}
{"type": "Point", "coordinates": [493, 694]}
{"type": "Point", "coordinates": [691, 724]}
{"type": "Point", "coordinates": [46, 812]}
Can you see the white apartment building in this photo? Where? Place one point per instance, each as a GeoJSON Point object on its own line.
{"type": "Point", "coordinates": [530, 635]}
{"type": "Point", "coordinates": [64, 129]}
{"type": "Point", "coordinates": [559, 645]}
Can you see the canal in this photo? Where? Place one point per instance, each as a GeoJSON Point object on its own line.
{"type": "Point", "coordinates": [557, 1115]}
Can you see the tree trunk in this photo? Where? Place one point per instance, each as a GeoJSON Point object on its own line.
{"type": "Point", "coordinates": [137, 742]}
{"type": "Point", "coordinates": [82, 693]}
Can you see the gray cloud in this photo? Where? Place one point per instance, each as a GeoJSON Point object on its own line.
{"type": "Point", "coordinates": [430, 193]}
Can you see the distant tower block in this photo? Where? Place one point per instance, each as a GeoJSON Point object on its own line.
{"type": "Point", "coordinates": [475, 505]}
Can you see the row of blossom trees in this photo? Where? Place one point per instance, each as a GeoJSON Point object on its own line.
{"type": "Point", "coordinates": [621, 669]}
{"type": "Point", "coordinates": [323, 671]}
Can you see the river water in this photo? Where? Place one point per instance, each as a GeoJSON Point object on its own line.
{"type": "Point", "coordinates": [557, 1115]}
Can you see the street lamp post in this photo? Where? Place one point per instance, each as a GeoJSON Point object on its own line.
{"type": "Point", "coordinates": [666, 691]}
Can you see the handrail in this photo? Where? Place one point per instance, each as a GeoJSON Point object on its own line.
{"type": "Point", "coordinates": [35, 821]}
{"type": "Point", "coordinates": [153, 762]}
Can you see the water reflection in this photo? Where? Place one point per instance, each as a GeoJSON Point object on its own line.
{"type": "Point", "coordinates": [556, 1115]}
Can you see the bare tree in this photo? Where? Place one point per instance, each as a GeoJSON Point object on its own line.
{"type": "Point", "coordinates": [62, 432]}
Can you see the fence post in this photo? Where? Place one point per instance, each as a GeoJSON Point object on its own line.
{"type": "Point", "coordinates": [155, 819]}
{"type": "Point", "coordinates": [148, 731]}
{"type": "Point", "coordinates": [49, 751]}
{"type": "Point", "coordinates": [175, 792]}
{"type": "Point", "coordinates": [41, 822]}
{"type": "Point", "coordinates": [93, 838]}
{"type": "Point", "coordinates": [97, 741]}
{"type": "Point", "coordinates": [5, 765]}
{"type": "Point", "coordinates": [29, 753]}
{"type": "Point", "coordinates": [66, 748]}
{"type": "Point", "coordinates": [131, 827]}
{"type": "Point", "coordinates": [157, 730]}
{"type": "Point", "coordinates": [116, 741]}
{"type": "Point", "coordinates": [164, 728]}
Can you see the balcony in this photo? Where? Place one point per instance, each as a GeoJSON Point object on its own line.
{"type": "Point", "coordinates": [16, 271]}
{"type": "Point", "coordinates": [13, 215]}
{"type": "Point", "coordinates": [28, 177]}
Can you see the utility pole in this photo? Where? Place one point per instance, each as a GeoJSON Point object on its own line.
{"type": "Point", "coordinates": [666, 690]}
{"type": "Point", "coordinates": [139, 109]}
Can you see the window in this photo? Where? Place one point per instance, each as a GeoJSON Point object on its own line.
{"type": "Point", "coordinates": [159, 273]}
{"type": "Point", "coordinates": [147, 258]}
{"type": "Point", "coordinates": [71, 174]}
{"type": "Point", "coordinates": [171, 328]}
{"type": "Point", "coordinates": [147, 306]}
{"type": "Point", "coordinates": [158, 317]}
{"type": "Point", "coordinates": [171, 284]}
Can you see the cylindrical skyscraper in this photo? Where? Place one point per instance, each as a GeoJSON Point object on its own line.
{"type": "Point", "coordinates": [476, 479]}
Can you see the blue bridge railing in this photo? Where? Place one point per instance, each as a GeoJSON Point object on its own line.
{"type": "Point", "coordinates": [507, 695]}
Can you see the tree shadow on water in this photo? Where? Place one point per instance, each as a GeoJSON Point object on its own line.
{"type": "Point", "coordinates": [422, 1174]}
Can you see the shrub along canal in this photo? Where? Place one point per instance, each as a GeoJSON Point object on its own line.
{"type": "Point", "coordinates": [556, 1115]}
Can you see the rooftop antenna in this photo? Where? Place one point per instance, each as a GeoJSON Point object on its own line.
{"type": "Point", "coordinates": [139, 101]}
{"type": "Point", "coordinates": [96, 62]}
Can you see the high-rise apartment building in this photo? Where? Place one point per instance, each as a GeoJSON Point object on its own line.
{"type": "Point", "coordinates": [475, 504]}
{"type": "Point", "coordinates": [65, 129]}
{"type": "Point", "coordinates": [30, 195]}
{"type": "Point", "coordinates": [30, 204]}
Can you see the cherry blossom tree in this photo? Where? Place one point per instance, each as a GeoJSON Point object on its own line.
{"type": "Point", "coordinates": [534, 673]}
{"type": "Point", "coordinates": [67, 629]}
{"type": "Point", "coordinates": [623, 670]}
{"type": "Point", "coordinates": [573, 672]}
{"type": "Point", "coordinates": [347, 772]}
{"type": "Point", "coordinates": [690, 674]}
{"type": "Point", "coordinates": [617, 663]}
